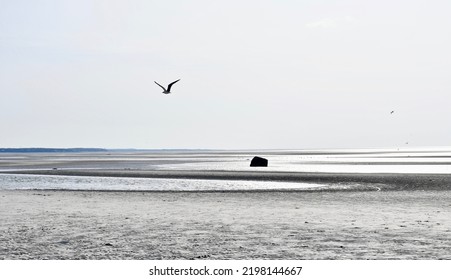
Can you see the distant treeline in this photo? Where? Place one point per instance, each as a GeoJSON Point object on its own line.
{"type": "Point", "coordinates": [50, 150]}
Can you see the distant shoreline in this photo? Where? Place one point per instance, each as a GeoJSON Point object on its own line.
{"type": "Point", "coordinates": [94, 150]}
{"type": "Point", "coordinates": [280, 151]}
{"type": "Point", "coordinates": [51, 150]}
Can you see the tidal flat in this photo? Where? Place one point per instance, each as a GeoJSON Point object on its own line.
{"type": "Point", "coordinates": [211, 205]}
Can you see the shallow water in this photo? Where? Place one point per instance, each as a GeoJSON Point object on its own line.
{"type": "Point", "coordinates": [395, 161]}
{"type": "Point", "coordinates": [425, 160]}
{"type": "Point", "coordinates": [44, 182]}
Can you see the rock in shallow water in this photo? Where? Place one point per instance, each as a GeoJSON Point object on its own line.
{"type": "Point", "coordinates": [259, 161]}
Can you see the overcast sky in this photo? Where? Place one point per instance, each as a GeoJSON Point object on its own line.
{"type": "Point", "coordinates": [254, 74]}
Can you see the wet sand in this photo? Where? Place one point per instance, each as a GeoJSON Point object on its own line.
{"type": "Point", "coordinates": [368, 180]}
{"type": "Point", "coordinates": [391, 216]}
{"type": "Point", "coordinates": [215, 164]}
{"type": "Point", "coordinates": [225, 225]}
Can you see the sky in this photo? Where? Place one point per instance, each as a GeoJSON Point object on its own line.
{"type": "Point", "coordinates": [255, 74]}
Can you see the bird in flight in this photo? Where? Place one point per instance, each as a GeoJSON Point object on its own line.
{"type": "Point", "coordinates": [168, 90]}
{"type": "Point", "coordinates": [392, 112]}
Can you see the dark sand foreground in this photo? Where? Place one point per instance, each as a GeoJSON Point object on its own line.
{"type": "Point", "coordinates": [231, 225]}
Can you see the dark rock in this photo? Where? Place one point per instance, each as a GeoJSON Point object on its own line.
{"type": "Point", "coordinates": [259, 161]}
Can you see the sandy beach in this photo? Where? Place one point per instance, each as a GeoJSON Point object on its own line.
{"type": "Point", "coordinates": [225, 225]}
{"type": "Point", "coordinates": [54, 212]}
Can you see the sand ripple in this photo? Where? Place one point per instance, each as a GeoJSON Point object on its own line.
{"type": "Point", "coordinates": [280, 225]}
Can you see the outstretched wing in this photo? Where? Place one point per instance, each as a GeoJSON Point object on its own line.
{"type": "Point", "coordinates": [160, 86]}
{"type": "Point", "coordinates": [170, 85]}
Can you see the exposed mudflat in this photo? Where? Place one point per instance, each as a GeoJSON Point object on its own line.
{"type": "Point", "coordinates": [225, 225]}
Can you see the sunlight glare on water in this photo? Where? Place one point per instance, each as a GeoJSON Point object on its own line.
{"type": "Point", "coordinates": [41, 182]}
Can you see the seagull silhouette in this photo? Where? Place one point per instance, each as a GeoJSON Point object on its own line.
{"type": "Point", "coordinates": [168, 90]}
{"type": "Point", "coordinates": [392, 112]}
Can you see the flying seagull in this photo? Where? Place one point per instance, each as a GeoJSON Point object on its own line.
{"type": "Point", "coordinates": [167, 91]}
{"type": "Point", "coordinates": [392, 112]}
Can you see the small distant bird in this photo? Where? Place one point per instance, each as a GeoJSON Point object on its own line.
{"type": "Point", "coordinates": [392, 112]}
{"type": "Point", "coordinates": [168, 90]}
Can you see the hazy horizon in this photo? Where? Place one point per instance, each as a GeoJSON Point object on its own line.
{"type": "Point", "coordinates": [254, 74]}
{"type": "Point", "coordinates": [351, 150]}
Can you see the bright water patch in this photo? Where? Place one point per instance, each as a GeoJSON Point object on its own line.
{"type": "Point", "coordinates": [419, 163]}
{"type": "Point", "coordinates": [44, 182]}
